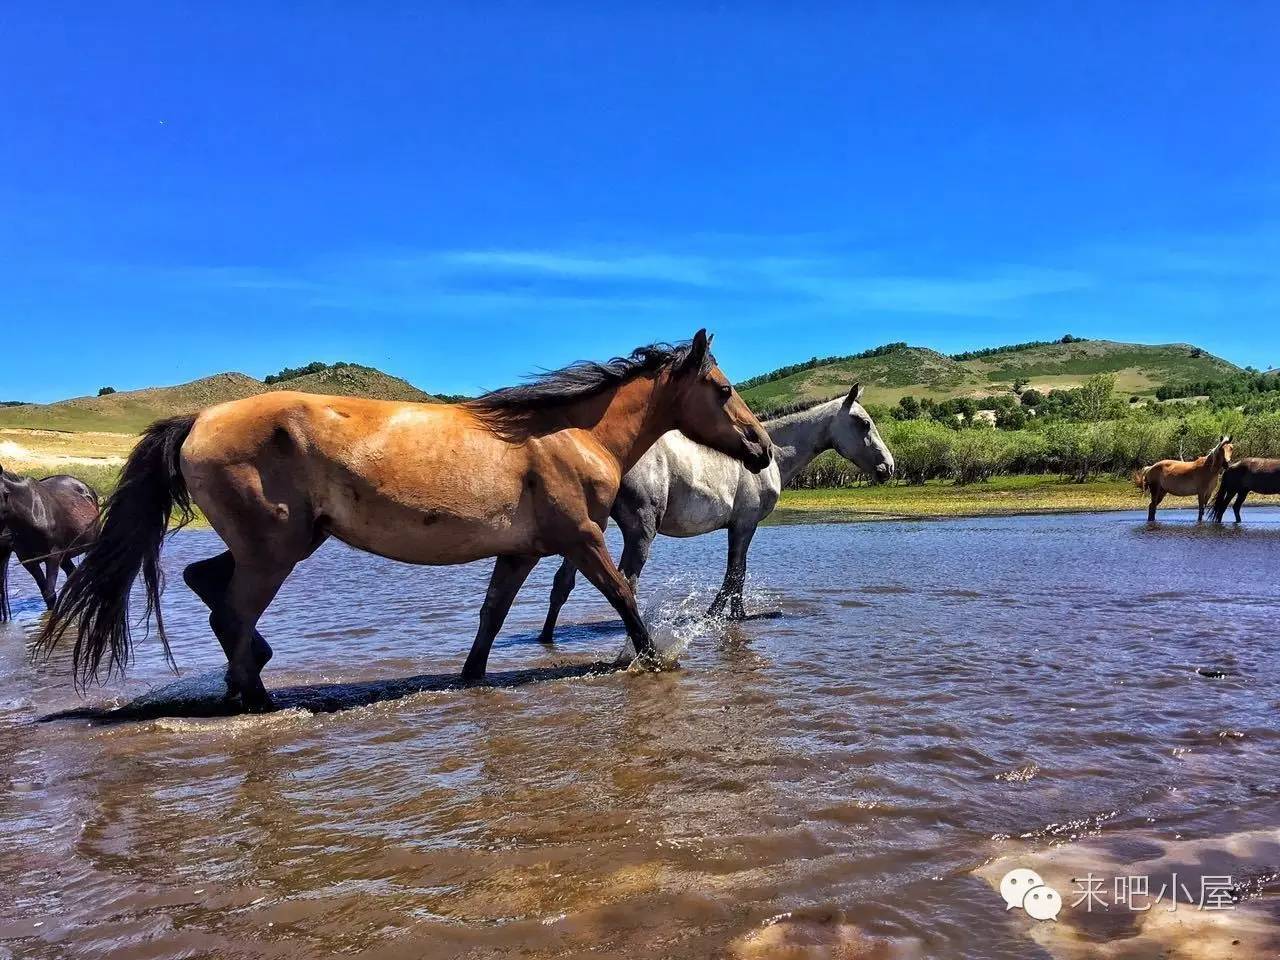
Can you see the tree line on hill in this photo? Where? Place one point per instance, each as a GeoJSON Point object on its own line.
{"type": "Point", "coordinates": [1014, 347]}
{"type": "Point", "coordinates": [293, 373]}
{"type": "Point", "coordinates": [784, 372]}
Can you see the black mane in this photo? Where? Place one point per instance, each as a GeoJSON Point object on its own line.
{"type": "Point", "coordinates": [577, 381]}
{"type": "Point", "coordinates": [795, 406]}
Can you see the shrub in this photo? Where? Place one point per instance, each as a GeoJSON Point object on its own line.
{"type": "Point", "coordinates": [976, 455]}
{"type": "Point", "coordinates": [921, 448]}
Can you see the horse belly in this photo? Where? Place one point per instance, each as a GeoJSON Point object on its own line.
{"type": "Point", "coordinates": [696, 507]}
{"type": "Point", "coordinates": [1181, 484]}
{"type": "Point", "coordinates": [434, 529]}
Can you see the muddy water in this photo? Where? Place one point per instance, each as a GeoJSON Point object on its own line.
{"type": "Point", "coordinates": [924, 703]}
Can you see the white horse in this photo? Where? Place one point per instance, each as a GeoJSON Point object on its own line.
{"type": "Point", "coordinates": [682, 489]}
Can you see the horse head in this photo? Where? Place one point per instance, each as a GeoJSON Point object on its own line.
{"type": "Point", "coordinates": [710, 412]}
{"type": "Point", "coordinates": [1222, 453]}
{"type": "Point", "coordinates": [855, 437]}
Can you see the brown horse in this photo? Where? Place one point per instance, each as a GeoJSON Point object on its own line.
{"type": "Point", "coordinates": [46, 523]}
{"type": "Point", "coordinates": [1184, 479]}
{"type": "Point", "coordinates": [518, 474]}
{"type": "Point", "coordinates": [1250, 475]}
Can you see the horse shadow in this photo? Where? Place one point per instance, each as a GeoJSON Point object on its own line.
{"type": "Point", "coordinates": [204, 695]}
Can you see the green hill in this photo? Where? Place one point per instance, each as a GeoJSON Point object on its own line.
{"type": "Point", "coordinates": [1139, 369]}
{"type": "Point", "coordinates": [353, 380]}
{"type": "Point", "coordinates": [130, 411]}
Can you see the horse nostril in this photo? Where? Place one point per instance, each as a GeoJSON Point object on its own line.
{"type": "Point", "coordinates": [751, 435]}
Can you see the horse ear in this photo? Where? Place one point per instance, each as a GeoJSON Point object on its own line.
{"type": "Point", "coordinates": [1226, 438]}
{"type": "Point", "coordinates": [854, 395]}
{"type": "Point", "coordinates": [699, 351]}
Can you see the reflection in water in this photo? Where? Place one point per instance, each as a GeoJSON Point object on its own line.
{"type": "Point", "coordinates": [913, 701]}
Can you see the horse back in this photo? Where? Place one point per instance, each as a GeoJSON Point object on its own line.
{"type": "Point", "coordinates": [75, 504]}
{"type": "Point", "coordinates": [425, 483]}
{"type": "Point", "coordinates": [1256, 474]}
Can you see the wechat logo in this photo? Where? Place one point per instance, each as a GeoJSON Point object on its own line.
{"type": "Point", "coordinates": [1025, 888]}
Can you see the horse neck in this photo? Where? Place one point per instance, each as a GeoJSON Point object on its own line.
{"type": "Point", "coordinates": [23, 506]}
{"type": "Point", "coordinates": [628, 419]}
{"type": "Point", "coordinates": [799, 437]}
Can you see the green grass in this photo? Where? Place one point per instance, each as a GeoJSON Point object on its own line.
{"type": "Point", "coordinates": [999, 496]}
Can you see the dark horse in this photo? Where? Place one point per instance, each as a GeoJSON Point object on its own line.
{"type": "Point", "coordinates": [517, 475]}
{"type": "Point", "coordinates": [46, 523]}
{"type": "Point", "coordinates": [1250, 475]}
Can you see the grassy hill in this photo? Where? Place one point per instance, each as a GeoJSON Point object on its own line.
{"type": "Point", "coordinates": [1139, 370]}
{"type": "Point", "coordinates": [130, 411]}
{"type": "Point", "coordinates": [352, 380]}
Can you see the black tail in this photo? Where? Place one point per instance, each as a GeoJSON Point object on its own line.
{"type": "Point", "coordinates": [136, 518]}
{"type": "Point", "coordinates": [1228, 486]}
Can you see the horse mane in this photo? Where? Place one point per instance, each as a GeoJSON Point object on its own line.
{"type": "Point", "coordinates": [578, 381]}
{"type": "Point", "coordinates": [794, 407]}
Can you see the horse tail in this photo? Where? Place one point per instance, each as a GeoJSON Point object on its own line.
{"type": "Point", "coordinates": [1140, 478]}
{"type": "Point", "coordinates": [136, 519]}
{"type": "Point", "coordinates": [1227, 486]}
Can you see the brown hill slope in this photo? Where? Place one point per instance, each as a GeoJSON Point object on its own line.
{"type": "Point", "coordinates": [130, 411]}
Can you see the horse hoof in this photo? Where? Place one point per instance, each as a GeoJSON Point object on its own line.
{"type": "Point", "coordinates": [257, 704]}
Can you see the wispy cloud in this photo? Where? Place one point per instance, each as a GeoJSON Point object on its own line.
{"type": "Point", "coordinates": [1192, 273]}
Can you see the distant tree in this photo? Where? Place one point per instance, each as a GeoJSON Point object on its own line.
{"type": "Point", "coordinates": [293, 373]}
{"type": "Point", "coordinates": [1095, 400]}
{"type": "Point", "coordinates": [1011, 418]}
{"type": "Point", "coordinates": [1068, 338]}
{"type": "Point", "coordinates": [1032, 398]}
{"type": "Point", "coordinates": [1019, 385]}
{"type": "Point", "coordinates": [908, 408]}
{"type": "Point", "coordinates": [1197, 352]}
{"type": "Point", "coordinates": [103, 391]}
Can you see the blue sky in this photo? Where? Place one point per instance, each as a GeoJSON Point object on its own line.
{"type": "Point", "coordinates": [462, 193]}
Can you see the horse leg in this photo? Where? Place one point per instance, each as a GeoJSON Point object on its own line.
{"type": "Point", "coordinates": [509, 573]}
{"type": "Point", "coordinates": [1203, 499]}
{"type": "Point", "coordinates": [591, 556]}
{"type": "Point", "coordinates": [5, 552]}
{"type": "Point", "coordinates": [252, 588]}
{"type": "Point", "coordinates": [735, 576]}
{"type": "Point", "coordinates": [1157, 494]}
{"type": "Point", "coordinates": [561, 587]}
{"type": "Point", "coordinates": [67, 566]}
{"type": "Point", "coordinates": [51, 582]}
{"type": "Point", "coordinates": [638, 530]}
{"type": "Point", "coordinates": [42, 583]}
{"type": "Point", "coordinates": [209, 580]}
{"type": "Point", "coordinates": [1239, 502]}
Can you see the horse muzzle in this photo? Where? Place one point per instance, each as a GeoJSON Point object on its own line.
{"type": "Point", "coordinates": [758, 450]}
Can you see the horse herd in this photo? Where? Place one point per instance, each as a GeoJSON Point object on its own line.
{"type": "Point", "coordinates": [1235, 480]}
{"type": "Point", "coordinates": [659, 440]}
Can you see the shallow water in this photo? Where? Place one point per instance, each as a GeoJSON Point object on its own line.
{"type": "Point", "coordinates": [924, 699]}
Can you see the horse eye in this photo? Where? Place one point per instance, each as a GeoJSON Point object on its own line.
{"type": "Point", "coordinates": [726, 391]}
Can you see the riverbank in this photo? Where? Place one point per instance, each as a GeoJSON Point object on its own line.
{"type": "Point", "coordinates": [1000, 496]}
